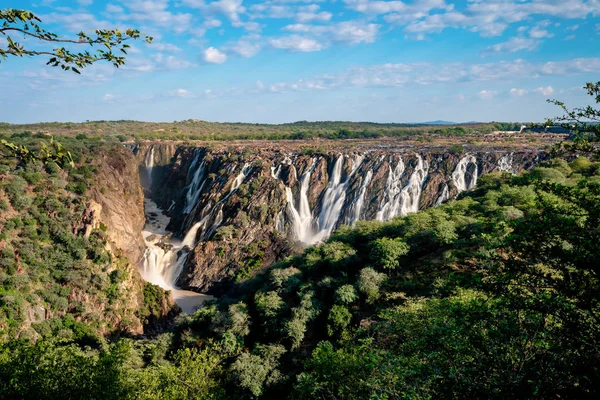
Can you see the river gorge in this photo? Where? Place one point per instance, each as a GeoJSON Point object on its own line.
{"type": "Point", "coordinates": [217, 215]}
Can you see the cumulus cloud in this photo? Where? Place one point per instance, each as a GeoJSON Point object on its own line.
{"type": "Point", "coordinates": [164, 47]}
{"type": "Point", "coordinates": [486, 94]}
{"type": "Point", "coordinates": [351, 32]}
{"type": "Point", "coordinates": [518, 92]}
{"type": "Point", "coordinates": [399, 75]}
{"type": "Point", "coordinates": [546, 91]}
{"type": "Point", "coordinates": [296, 43]}
{"type": "Point", "coordinates": [246, 46]}
{"type": "Point", "coordinates": [155, 11]}
{"type": "Point", "coordinates": [212, 55]}
{"type": "Point", "coordinates": [514, 44]}
{"type": "Point", "coordinates": [108, 97]}
{"type": "Point", "coordinates": [183, 93]}
{"type": "Point", "coordinates": [489, 17]}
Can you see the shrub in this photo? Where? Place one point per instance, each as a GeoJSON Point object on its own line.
{"type": "Point", "coordinates": [338, 320]}
{"type": "Point", "coordinates": [255, 371]}
{"type": "Point", "coordinates": [346, 294]}
{"type": "Point", "coordinates": [268, 304]}
{"type": "Point", "coordinates": [385, 252]}
{"type": "Point", "coordinates": [368, 283]}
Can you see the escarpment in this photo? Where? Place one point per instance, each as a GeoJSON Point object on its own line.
{"type": "Point", "coordinates": [117, 207]}
{"type": "Point", "coordinates": [238, 209]}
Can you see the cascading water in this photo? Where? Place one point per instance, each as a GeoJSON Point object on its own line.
{"type": "Point", "coordinates": [164, 258]}
{"type": "Point", "coordinates": [411, 194]}
{"type": "Point", "coordinates": [302, 223]}
{"type": "Point", "coordinates": [393, 189]}
{"type": "Point", "coordinates": [358, 205]}
{"type": "Point", "coordinates": [398, 200]}
{"type": "Point", "coordinates": [211, 217]}
{"type": "Point", "coordinates": [444, 196]}
{"type": "Point", "coordinates": [194, 189]}
{"type": "Point", "coordinates": [505, 163]}
{"type": "Point", "coordinates": [237, 182]}
{"type": "Point", "coordinates": [333, 199]}
{"type": "Point", "coordinates": [149, 164]}
{"type": "Point", "coordinates": [461, 177]}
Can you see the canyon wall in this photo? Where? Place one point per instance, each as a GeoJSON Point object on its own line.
{"type": "Point", "coordinates": [237, 209]}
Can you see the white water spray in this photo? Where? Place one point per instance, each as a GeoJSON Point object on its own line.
{"type": "Point", "coordinates": [360, 201]}
{"type": "Point", "coordinates": [461, 177]}
{"type": "Point", "coordinates": [149, 164]}
{"type": "Point", "coordinates": [505, 163]}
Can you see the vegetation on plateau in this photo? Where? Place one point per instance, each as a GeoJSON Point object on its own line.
{"type": "Point", "coordinates": [54, 281]}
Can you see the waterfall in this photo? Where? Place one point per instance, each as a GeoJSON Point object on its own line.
{"type": "Point", "coordinates": [240, 178]}
{"type": "Point", "coordinates": [460, 176]}
{"type": "Point", "coordinates": [411, 194]}
{"type": "Point", "coordinates": [302, 217]}
{"type": "Point", "coordinates": [505, 163]}
{"type": "Point", "coordinates": [398, 200]}
{"type": "Point", "coordinates": [149, 164]}
{"type": "Point", "coordinates": [334, 198]}
{"type": "Point", "coordinates": [393, 189]}
{"type": "Point", "coordinates": [194, 189]}
{"type": "Point", "coordinates": [165, 257]}
{"type": "Point", "coordinates": [212, 217]}
{"type": "Point", "coordinates": [360, 200]}
{"type": "Point", "coordinates": [189, 239]}
{"type": "Point", "coordinates": [444, 196]}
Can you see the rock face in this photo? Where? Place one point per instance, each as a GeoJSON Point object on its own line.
{"type": "Point", "coordinates": [117, 206]}
{"type": "Point", "coordinates": [240, 209]}
{"type": "Point", "coordinates": [121, 200]}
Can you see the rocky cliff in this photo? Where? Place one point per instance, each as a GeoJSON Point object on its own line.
{"type": "Point", "coordinates": [239, 208]}
{"type": "Point", "coordinates": [117, 206]}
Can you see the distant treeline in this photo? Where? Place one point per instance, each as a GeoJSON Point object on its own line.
{"type": "Point", "coordinates": [202, 130]}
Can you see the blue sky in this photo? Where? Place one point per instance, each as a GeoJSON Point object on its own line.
{"type": "Point", "coordinates": [287, 60]}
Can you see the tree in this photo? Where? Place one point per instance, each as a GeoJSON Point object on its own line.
{"type": "Point", "coordinates": [584, 121]}
{"type": "Point", "coordinates": [26, 24]}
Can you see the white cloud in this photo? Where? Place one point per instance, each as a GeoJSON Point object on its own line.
{"type": "Point", "coordinates": [210, 23]}
{"type": "Point", "coordinates": [399, 75]}
{"type": "Point", "coordinates": [114, 9]}
{"type": "Point", "coordinates": [296, 43]}
{"type": "Point", "coordinates": [489, 17]}
{"type": "Point", "coordinates": [486, 94]}
{"type": "Point", "coordinates": [311, 13]}
{"type": "Point", "coordinates": [165, 47]}
{"type": "Point", "coordinates": [155, 11]}
{"type": "Point", "coordinates": [231, 9]}
{"type": "Point", "coordinates": [76, 22]}
{"type": "Point", "coordinates": [108, 97]}
{"type": "Point", "coordinates": [351, 32]}
{"type": "Point", "coordinates": [85, 2]}
{"type": "Point", "coordinates": [546, 91]}
{"type": "Point", "coordinates": [573, 28]}
{"type": "Point", "coordinates": [247, 46]}
{"type": "Point", "coordinates": [183, 93]}
{"type": "Point", "coordinates": [518, 92]}
{"type": "Point", "coordinates": [212, 55]}
{"type": "Point", "coordinates": [514, 44]}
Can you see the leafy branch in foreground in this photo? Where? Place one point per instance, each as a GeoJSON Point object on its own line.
{"type": "Point", "coordinates": [584, 121]}
{"type": "Point", "coordinates": [26, 23]}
